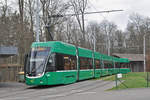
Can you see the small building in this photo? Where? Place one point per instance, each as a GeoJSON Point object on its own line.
{"type": "Point", "coordinates": [136, 61]}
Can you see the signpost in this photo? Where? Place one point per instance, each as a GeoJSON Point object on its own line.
{"type": "Point", "coordinates": [118, 77]}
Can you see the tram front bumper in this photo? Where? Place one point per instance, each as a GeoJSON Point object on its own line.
{"type": "Point", "coordinates": [36, 81]}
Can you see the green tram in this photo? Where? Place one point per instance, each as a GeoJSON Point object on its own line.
{"type": "Point", "coordinates": [55, 62]}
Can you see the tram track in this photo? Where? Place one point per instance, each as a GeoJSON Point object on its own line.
{"type": "Point", "coordinates": [54, 93]}
{"type": "Point", "coordinates": [81, 90]}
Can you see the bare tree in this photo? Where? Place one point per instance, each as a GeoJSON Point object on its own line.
{"type": "Point", "coordinates": [119, 43]}
{"type": "Point", "coordinates": [21, 31]}
{"type": "Point", "coordinates": [29, 10]}
{"type": "Point", "coordinates": [79, 8]}
{"type": "Point", "coordinates": [51, 9]}
{"type": "Point", "coordinates": [108, 28]}
{"type": "Point", "coordinates": [72, 32]}
{"type": "Point", "coordinates": [14, 28]}
{"type": "Point", "coordinates": [138, 26]}
{"type": "Point", "coordinates": [93, 31]}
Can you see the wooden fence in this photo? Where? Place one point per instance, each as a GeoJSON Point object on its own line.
{"type": "Point", "coordinates": [9, 72]}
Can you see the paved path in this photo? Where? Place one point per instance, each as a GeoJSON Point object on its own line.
{"type": "Point", "coordinates": [98, 94]}
{"type": "Point", "coordinates": [88, 90]}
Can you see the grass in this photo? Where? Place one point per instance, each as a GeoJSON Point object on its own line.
{"type": "Point", "coordinates": [131, 80]}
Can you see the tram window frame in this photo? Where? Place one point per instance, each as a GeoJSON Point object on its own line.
{"type": "Point", "coordinates": [68, 62]}
{"type": "Point", "coordinates": [102, 64]}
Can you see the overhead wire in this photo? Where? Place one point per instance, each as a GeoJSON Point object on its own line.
{"type": "Point", "coordinates": [96, 9]}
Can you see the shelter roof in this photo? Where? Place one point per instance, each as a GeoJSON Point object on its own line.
{"type": "Point", "coordinates": [131, 57]}
{"type": "Point", "coordinates": [8, 51]}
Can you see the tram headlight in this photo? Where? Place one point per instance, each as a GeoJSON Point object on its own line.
{"type": "Point", "coordinates": [39, 74]}
{"type": "Point", "coordinates": [32, 81]}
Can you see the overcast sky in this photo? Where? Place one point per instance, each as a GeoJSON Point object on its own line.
{"type": "Point", "coordinates": [120, 18]}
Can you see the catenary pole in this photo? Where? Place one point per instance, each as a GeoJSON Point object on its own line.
{"type": "Point", "coordinates": [144, 52]}
{"type": "Point", "coordinates": [37, 22]}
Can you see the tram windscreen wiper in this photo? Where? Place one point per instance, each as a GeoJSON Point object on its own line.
{"type": "Point", "coordinates": [41, 67]}
{"type": "Point", "coordinates": [35, 69]}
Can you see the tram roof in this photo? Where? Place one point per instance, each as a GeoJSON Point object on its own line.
{"type": "Point", "coordinates": [115, 59]}
{"type": "Point", "coordinates": [97, 55]}
{"type": "Point", "coordinates": [106, 57]}
{"type": "Point", "coordinates": [124, 60]}
{"type": "Point", "coordinates": [61, 47]}
{"type": "Point", "coordinates": [83, 52]}
{"type": "Point", "coordinates": [50, 44]}
{"type": "Point", "coordinates": [57, 46]}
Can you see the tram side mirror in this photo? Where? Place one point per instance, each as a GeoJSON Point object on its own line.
{"type": "Point", "coordinates": [52, 56]}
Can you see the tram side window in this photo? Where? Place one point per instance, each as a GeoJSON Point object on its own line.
{"type": "Point", "coordinates": [105, 64]}
{"type": "Point", "coordinates": [108, 64]}
{"type": "Point", "coordinates": [73, 62]}
{"type": "Point", "coordinates": [90, 64]}
{"type": "Point", "coordinates": [65, 62]}
{"type": "Point", "coordinates": [97, 64]}
{"type": "Point", "coordinates": [111, 65]}
{"type": "Point", "coordinates": [70, 62]}
{"type": "Point", "coordinates": [117, 65]}
{"type": "Point", "coordinates": [59, 62]}
{"type": "Point", "coordinates": [82, 63]}
{"type": "Point", "coordinates": [122, 65]}
{"type": "Point", "coordinates": [85, 63]}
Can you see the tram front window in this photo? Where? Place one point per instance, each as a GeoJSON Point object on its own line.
{"type": "Point", "coordinates": [36, 63]}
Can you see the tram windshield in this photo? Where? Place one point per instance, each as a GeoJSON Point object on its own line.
{"type": "Point", "coordinates": [37, 60]}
